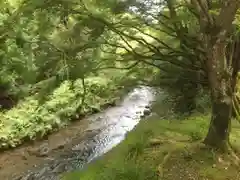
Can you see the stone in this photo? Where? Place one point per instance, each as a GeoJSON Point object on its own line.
{"type": "Point", "coordinates": [43, 150]}
{"type": "Point", "coordinates": [24, 155]}
{"type": "Point", "coordinates": [60, 145]}
{"type": "Point", "coordinates": [147, 107]}
{"type": "Point", "coordinates": [79, 147]}
{"type": "Point", "coordinates": [147, 112]}
{"type": "Point", "coordinates": [59, 168]}
{"type": "Point", "coordinates": [85, 153]}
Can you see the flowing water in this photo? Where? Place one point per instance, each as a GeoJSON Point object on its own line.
{"type": "Point", "coordinates": [102, 132]}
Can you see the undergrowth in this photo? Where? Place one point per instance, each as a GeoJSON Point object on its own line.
{"type": "Point", "coordinates": [30, 119]}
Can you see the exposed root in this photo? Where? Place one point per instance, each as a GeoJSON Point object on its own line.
{"type": "Point", "coordinates": [160, 166]}
{"type": "Point", "coordinates": [228, 150]}
{"type": "Point", "coordinates": [156, 142]}
{"type": "Point", "coordinates": [234, 156]}
{"type": "Point", "coordinates": [160, 141]}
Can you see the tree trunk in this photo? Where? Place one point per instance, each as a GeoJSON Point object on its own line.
{"type": "Point", "coordinates": [215, 35]}
{"type": "Point", "coordinates": [218, 133]}
{"type": "Point", "coordinates": [222, 86]}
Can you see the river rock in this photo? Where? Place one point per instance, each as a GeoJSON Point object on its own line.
{"type": "Point", "coordinates": [98, 119]}
{"type": "Point", "coordinates": [95, 110]}
{"type": "Point", "coordinates": [128, 116]}
{"type": "Point", "coordinates": [61, 145]}
{"type": "Point", "coordinates": [109, 104]}
{"type": "Point", "coordinates": [59, 168]}
{"type": "Point", "coordinates": [79, 147]}
{"type": "Point", "coordinates": [146, 112]}
{"type": "Point", "coordinates": [147, 107]}
{"type": "Point", "coordinates": [42, 172]}
{"type": "Point", "coordinates": [85, 153]}
{"type": "Point", "coordinates": [42, 151]}
{"type": "Point", "coordinates": [27, 177]}
{"type": "Point", "coordinates": [24, 155]}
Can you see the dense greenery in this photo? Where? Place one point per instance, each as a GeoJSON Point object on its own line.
{"type": "Point", "coordinates": [61, 60]}
{"type": "Point", "coordinates": [52, 70]}
{"type": "Point", "coordinates": [31, 119]}
{"type": "Point", "coordinates": [51, 53]}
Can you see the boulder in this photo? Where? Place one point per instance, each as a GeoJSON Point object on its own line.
{"type": "Point", "coordinates": [147, 112]}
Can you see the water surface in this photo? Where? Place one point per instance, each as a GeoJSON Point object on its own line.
{"type": "Point", "coordinates": [103, 131]}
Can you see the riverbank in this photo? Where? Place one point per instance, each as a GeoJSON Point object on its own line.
{"type": "Point", "coordinates": [32, 120]}
{"type": "Point", "coordinates": [166, 149]}
{"type": "Point", "coordinates": [75, 145]}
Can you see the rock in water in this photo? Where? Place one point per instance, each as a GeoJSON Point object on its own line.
{"type": "Point", "coordinates": [147, 107]}
{"type": "Point", "coordinates": [146, 112]}
{"type": "Point", "coordinates": [42, 151]}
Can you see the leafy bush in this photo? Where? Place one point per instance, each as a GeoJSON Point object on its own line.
{"type": "Point", "coordinates": [30, 119]}
{"type": "Point", "coordinates": [183, 86]}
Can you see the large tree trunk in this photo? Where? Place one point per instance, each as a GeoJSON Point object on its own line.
{"type": "Point", "coordinates": [222, 68]}
{"type": "Point", "coordinates": [222, 85]}
{"type": "Point", "coordinates": [222, 82]}
{"type": "Point", "coordinates": [218, 134]}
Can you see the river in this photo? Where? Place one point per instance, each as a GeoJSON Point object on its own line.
{"type": "Point", "coordinates": [86, 140]}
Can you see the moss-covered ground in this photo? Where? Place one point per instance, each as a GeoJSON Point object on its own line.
{"type": "Point", "coordinates": [165, 149]}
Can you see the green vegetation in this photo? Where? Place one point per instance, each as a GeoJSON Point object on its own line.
{"type": "Point", "coordinates": [30, 119]}
{"type": "Point", "coordinates": [66, 58]}
{"type": "Point", "coordinates": [165, 149]}
{"type": "Point", "coordinates": [52, 70]}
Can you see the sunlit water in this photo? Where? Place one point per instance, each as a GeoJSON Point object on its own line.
{"type": "Point", "coordinates": [111, 127]}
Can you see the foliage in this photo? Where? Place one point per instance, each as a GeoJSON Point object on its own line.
{"type": "Point", "coordinates": [204, 46]}
{"type": "Point", "coordinates": [30, 119]}
{"type": "Point", "coordinates": [52, 68]}
{"type": "Point", "coordinates": [44, 44]}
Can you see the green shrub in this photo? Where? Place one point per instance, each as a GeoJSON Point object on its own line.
{"type": "Point", "coordinates": [30, 119]}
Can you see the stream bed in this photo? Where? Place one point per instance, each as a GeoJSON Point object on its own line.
{"type": "Point", "coordinates": [78, 144]}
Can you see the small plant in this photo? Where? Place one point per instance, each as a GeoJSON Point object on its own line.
{"type": "Point", "coordinates": [135, 150]}
{"type": "Point", "coordinates": [196, 136]}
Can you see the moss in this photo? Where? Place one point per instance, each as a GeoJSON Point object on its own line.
{"type": "Point", "coordinates": [160, 149]}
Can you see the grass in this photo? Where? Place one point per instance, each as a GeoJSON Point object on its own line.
{"type": "Point", "coordinates": [165, 149]}
{"type": "Point", "coordinates": [30, 119]}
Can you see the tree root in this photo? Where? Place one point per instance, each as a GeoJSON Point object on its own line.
{"type": "Point", "coordinates": [234, 156]}
{"type": "Point", "coordinates": [160, 166]}
{"type": "Point", "coordinates": [160, 141]}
